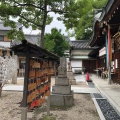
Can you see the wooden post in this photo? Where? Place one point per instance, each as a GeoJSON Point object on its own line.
{"type": "Point", "coordinates": [48, 102]}
{"type": "Point", "coordinates": [55, 68]}
{"type": "Point", "coordinates": [26, 77]}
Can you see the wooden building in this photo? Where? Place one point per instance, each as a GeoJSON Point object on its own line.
{"type": "Point", "coordinates": [82, 56]}
{"type": "Point", "coordinates": [108, 20]}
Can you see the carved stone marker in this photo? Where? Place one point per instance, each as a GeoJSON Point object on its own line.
{"type": "Point", "coordinates": [70, 75]}
{"type": "Point", "coordinates": [61, 91]}
{"type": "Point", "coordinates": [69, 67]}
{"type": "Point", "coordinates": [62, 72]}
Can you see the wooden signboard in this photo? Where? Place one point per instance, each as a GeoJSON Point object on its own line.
{"type": "Point", "coordinates": [39, 82]}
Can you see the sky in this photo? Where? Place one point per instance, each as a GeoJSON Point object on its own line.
{"type": "Point", "coordinates": [54, 23]}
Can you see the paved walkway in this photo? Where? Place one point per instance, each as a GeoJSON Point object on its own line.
{"type": "Point", "coordinates": [82, 86]}
{"type": "Point", "coordinates": [110, 91]}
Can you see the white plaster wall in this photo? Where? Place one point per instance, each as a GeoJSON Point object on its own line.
{"type": "Point", "coordinates": [76, 63]}
{"type": "Point", "coordinates": [5, 44]}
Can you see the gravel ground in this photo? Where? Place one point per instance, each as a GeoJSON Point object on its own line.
{"type": "Point", "coordinates": [83, 109]}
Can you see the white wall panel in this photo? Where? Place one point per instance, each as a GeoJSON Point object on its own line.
{"type": "Point", "coordinates": [76, 63]}
{"type": "Point", "coordinates": [5, 44]}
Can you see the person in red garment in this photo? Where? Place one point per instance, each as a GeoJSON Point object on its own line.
{"type": "Point", "coordinates": [87, 76]}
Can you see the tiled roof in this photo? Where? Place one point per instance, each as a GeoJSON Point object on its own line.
{"type": "Point", "coordinates": [35, 51]}
{"type": "Point", "coordinates": [80, 44]}
{"type": "Point", "coordinates": [30, 38]}
{"type": "Point", "coordinates": [2, 27]}
{"type": "Point", "coordinates": [15, 42]}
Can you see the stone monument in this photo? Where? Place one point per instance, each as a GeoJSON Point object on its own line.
{"type": "Point", "coordinates": [61, 91]}
{"type": "Point", "coordinates": [70, 75]}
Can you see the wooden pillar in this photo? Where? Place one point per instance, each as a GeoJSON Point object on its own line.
{"type": "Point", "coordinates": [25, 89]}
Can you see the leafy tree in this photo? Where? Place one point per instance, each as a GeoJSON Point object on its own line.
{"type": "Point", "coordinates": [81, 16]}
{"type": "Point", "coordinates": [55, 42]}
{"type": "Point", "coordinates": [33, 13]}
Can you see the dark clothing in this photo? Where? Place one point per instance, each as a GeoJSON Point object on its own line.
{"type": "Point", "coordinates": [100, 72]}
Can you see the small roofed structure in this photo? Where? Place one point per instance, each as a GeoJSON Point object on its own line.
{"type": "Point", "coordinates": [39, 66]}
{"type": "Point", "coordinates": [21, 49]}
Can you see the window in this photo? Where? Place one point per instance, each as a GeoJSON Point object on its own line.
{"type": "Point", "coordinates": [1, 38]}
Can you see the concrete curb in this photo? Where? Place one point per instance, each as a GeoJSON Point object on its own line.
{"type": "Point", "coordinates": [110, 100]}
{"type": "Point", "coordinates": [98, 108]}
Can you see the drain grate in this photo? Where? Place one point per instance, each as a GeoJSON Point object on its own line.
{"type": "Point", "coordinates": [97, 95]}
{"type": "Point", "coordinates": [107, 110]}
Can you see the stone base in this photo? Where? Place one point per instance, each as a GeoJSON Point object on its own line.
{"type": "Point", "coordinates": [72, 82]}
{"type": "Point", "coordinates": [61, 100]}
{"type": "Point", "coordinates": [70, 75]}
{"type": "Point", "coordinates": [59, 89]}
{"type": "Point", "coordinates": [62, 81]}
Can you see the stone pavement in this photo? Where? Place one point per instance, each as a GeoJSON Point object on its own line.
{"type": "Point", "coordinates": [12, 87]}
{"type": "Point", "coordinates": [81, 86]}
{"type": "Point", "coordinates": [110, 91]}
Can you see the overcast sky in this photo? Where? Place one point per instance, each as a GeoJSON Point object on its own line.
{"type": "Point", "coordinates": [54, 23]}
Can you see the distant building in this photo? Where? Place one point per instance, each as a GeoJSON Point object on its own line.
{"type": "Point", "coordinates": [4, 40]}
{"type": "Point", "coordinates": [34, 39]}
{"type": "Point", "coordinates": [67, 39]}
{"type": "Point", "coordinates": [81, 56]}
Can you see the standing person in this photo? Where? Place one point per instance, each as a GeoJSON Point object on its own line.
{"type": "Point", "coordinates": [100, 72]}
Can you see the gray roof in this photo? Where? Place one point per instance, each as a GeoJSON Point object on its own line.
{"type": "Point", "coordinates": [2, 27]}
{"type": "Point", "coordinates": [80, 44]}
{"type": "Point", "coordinates": [30, 38]}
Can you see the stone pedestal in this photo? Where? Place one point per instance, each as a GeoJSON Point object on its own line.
{"type": "Point", "coordinates": [14, 78]}
{"type": "Point", "coordinates": [61, 91]}
{"type": "Point", "coordinates": [61, 100]}
{"type": "Point", "coordinates": [72, 80]}
{"type": "Point", "coordinates": [70, 75]}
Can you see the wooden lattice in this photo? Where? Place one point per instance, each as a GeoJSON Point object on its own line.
{"type": "Point", "coordinates": [117, 40]}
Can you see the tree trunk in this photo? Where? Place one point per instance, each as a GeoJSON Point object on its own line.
{"type": "Point", "coordinates": [43, 27]}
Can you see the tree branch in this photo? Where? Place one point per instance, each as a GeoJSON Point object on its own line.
{"type": "Point", "coordinates": [59, 11]}
{"type": "Point", "coordinates": [42, 8]}
{"type": "Point", "coordinates": [28, 20]}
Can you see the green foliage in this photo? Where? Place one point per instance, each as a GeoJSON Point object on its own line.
{"type": "Point", "coordinates": [31, 12]}
{"type": "Point", "coordinates": [14, 34]}
{"type": "Point", "coordinates": [55, 42]}
{"type": "Point", "coordinates": [81, 15]}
